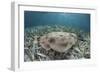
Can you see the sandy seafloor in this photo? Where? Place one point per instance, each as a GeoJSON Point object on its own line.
{"type": "Point", "coordinates": [34, 52]}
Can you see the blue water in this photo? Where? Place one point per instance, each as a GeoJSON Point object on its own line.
{"type": "Point", "coordinates": [34, 18]}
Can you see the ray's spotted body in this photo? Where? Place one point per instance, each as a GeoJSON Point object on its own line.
{"type": "Point", "coordinates": [58, 41]}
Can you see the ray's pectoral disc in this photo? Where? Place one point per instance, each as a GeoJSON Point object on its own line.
{"type": "Point", "coordinates": [58, 41]}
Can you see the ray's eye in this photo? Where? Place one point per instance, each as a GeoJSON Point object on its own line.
{"type": "Point", "coordinates": [51, 40]}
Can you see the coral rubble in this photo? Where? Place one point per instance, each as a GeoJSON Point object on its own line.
{"type": "Point", "coordinates": [55, 42]}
